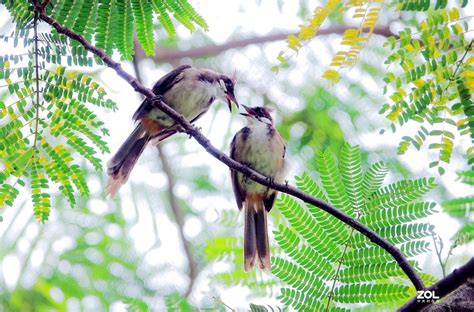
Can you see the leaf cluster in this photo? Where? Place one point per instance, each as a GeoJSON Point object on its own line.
{"type": "Point", "coordinates": [432, 84]}
{"type": "Point", "coordinates": [326, 265]}
{"type": "Point", "coordinates": [365, 13]}
{"type": "Point", "coordinates": [113, 23]}
{"type": "Point", "coordinates": [47, 117]}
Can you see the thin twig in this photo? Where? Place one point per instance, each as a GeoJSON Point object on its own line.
{"type": "Point", "coordinates": [467, 50]}
{"type": "Point", "coordinates": [336, 276]}
{"type": "Point", "coordinates": [439, 252]}
{"type": "Point", "coordinates": [171, 55]}
{"type": "Point", "coordinates": [232, 164]}
{"type": "Point", "coordinates": [219, 300]}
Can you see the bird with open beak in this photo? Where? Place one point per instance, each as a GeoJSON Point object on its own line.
{"type": "Point", "coordinates": [259, 146]}
{"type": "Point", "coordinates": [188, 90]}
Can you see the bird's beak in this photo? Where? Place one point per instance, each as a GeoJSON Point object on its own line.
{"type": "Point", "coordinates": [249, 110]}
{"type": "Point", "coordinates": [230, 99]}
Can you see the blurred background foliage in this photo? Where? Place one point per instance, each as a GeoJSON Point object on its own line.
{"type": "Point", "coordinates": [173, 237]}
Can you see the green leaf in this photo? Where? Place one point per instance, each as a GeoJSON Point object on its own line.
{"type": "Point", "coordinates": [460, 207]}
{"type": "Point", "coordinates": [350, 165]}
{"type": "Point", "coordinates": [125, 29]}
{"type": "Point", "coordinates": [106, 25]}
{"type": "Point", "coordinates": [332, 181]}
{"type": "Point", "coordinates": [465, 235]}
{"type": "Point", "coordinates": [371, 293]}
{"type": "Point", "coordinates": [324, 263]}
{"type": "Point", "coordinates": [142, 12]}
{"type": "Point", "coordinates": [373, 178]}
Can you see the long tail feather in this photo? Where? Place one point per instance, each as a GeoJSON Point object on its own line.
{"type": "Point", "coordinates": [261, 231]}
{"type": "Point", "coordinates": [121, 164]}
{"type": "Point", "coordinates": [250, 243]}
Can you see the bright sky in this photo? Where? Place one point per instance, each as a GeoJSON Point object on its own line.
{"type": "Point", "coordinates": [224, 18]}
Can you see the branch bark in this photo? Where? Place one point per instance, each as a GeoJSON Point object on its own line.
{"type": "Point", "coordinates": [171, 55]}
{"type": "Point", "coordinates": [252, 174]}
{"type": "Point", "coordinates": [443, 287]}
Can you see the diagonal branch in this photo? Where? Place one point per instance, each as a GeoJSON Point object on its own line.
{"type": "Point", "coordinates": [443, 287]}
{"type": "Point", "coordinates": [232, 164]}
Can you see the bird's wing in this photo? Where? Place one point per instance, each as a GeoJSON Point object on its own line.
{"type": "Point", "coordinates": [163, 134]}
{"type": "Point", "coordinates": [235, 148]}
{"type": "Point", "coordinates": [161, 87]}
{"type": "Point", "coordinates": [166, 133]}
{"type": "Point", "coordinates": [170, 79]}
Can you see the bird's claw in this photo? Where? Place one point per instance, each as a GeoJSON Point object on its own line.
{"type": "Point", "coordinates": [270, 180]}
{"type": "Point", "coordinates": [286, 182]}
{"type": "Point", "coordinates": [197, 128]}
{"type": "Point", "coordinates": [157, 98]}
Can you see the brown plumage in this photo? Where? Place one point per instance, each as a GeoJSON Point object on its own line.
{"type": "Point", "coordinates": [188, 90]}
{"type": "Point", "coordinates": [260, 147]}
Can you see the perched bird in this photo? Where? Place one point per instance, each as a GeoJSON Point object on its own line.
{"type": "Point", "coordinates": [188, 90]}
{"type": "Point", "coordinates": [259, 146]}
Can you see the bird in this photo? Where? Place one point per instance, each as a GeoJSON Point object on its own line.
{"type": "Point", "coordinates": [260, 147]}
{"type": "Point", "coordinates": [188, 90]}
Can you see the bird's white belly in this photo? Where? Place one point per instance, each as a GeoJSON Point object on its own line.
{"type": "Point", "coordinates": [262, 154]}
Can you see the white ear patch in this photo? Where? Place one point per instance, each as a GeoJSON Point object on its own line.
{"type": "Point", "coordinates": [266, 120]}
{"type": "Point", "coordinates": [222, 84]}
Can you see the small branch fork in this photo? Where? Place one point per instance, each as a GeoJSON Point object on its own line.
{"type": "Point", "coordinates": [194, 132]}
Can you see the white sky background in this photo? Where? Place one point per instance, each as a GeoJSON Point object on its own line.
{"type": "Point", "coordinates": [224, 17]}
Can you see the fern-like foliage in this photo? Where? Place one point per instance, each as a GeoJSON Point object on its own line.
{"type": "Point", "coordinates": [46, 117]}
{"type": "Point", "coordinates": [424, 5]}
{"type": "Point", "coordinates": [365, 13]}
{"type": "Point", "coordinates": [462, 209]}
{"type": "Point", "coordinates": [432, 83]}
{"type": "Point", "coordinates": [326, 265]}
{"type": "Point", "coordinates": [114, 22]}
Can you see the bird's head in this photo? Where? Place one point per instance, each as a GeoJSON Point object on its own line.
{"type": "Point", "coordinates": [226, 85]}
{"type": "Point", "coordinates": [258, 113]}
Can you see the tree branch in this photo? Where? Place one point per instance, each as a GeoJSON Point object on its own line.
{"type": "Point", "coordinates": [252, 174]}
{"type": "Point", "coordinates": [164, 55]}
{"type": "Point", "coordinates": [443, 287]}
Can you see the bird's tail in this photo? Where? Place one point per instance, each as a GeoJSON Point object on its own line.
{"type": "Point", "coordinates": [122, 163]}
{"type": "Point", "coordinates": [256, 246]}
